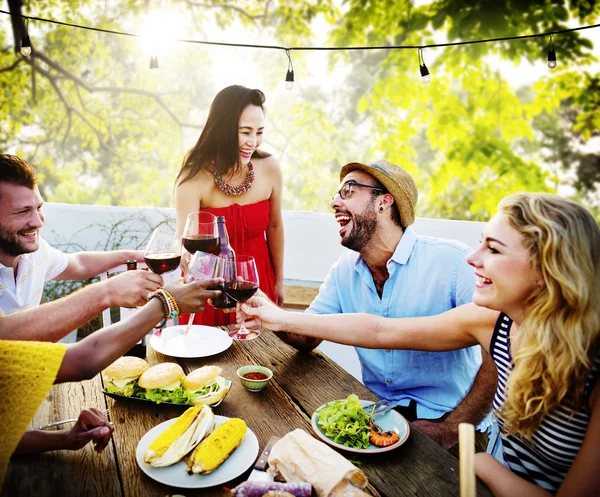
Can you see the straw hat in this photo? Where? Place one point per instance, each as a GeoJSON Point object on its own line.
{"type": "Point", "coordinates": [396, 180]}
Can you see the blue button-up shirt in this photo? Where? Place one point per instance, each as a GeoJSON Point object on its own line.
{"type": "Point", "coordinates": [427, 276]}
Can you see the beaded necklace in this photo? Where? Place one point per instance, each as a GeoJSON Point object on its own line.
{"type": "Point", "coordinates": [234, 190]}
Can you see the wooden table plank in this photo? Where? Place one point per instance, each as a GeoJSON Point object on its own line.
{"type": "Point", "coordinates": [301, 383]}
{"type": "Point", "coordinates": [66, 473]}
{"type": "Point", "coordinates": [418, 467]}
{"type": "Point", "coordinates": [267, 413]}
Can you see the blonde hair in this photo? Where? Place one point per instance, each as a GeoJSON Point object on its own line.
{"type": "Point", "coordinates": [559, 334]}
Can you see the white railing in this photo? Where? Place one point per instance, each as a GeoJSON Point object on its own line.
{"type": "Point", "coordinates": [311, 239]}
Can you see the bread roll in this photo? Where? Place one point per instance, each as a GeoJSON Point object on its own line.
{"type": "Point", "coordinates": [161, 375]}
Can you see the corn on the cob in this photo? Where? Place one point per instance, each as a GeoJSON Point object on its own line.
{"type": "Point", "coordinates": [186, 442]}
{"type": "Point", "coordinates": [167, 437]}
{"type": "Point", "coordinates": [217, 447]}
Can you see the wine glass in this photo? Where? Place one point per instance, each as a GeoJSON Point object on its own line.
{"type": "Point", "coordinates": [163, 252]}
{"type": "Point", "coordinates": [200, 233]}
{"type": "Point", "coordinates": [203, 266]}
{"type": "Point", "coordinates": [241, 282]}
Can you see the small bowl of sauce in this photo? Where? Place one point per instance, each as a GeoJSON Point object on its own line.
{"type": "Point", "coordinates": [254, 378]}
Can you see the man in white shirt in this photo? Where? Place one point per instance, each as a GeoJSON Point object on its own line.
{"type": "Point", "coordinates": [27, 262]}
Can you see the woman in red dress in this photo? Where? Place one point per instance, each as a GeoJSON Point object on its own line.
{"type": "Point", "coordinates": [226, 174]}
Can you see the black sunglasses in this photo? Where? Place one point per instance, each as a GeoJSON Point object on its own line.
{"type": "Point", "coordinates": [346, 190]}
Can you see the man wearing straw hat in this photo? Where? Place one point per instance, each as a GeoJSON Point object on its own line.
{"type": "Point", "coordinates": [392, 272]}
{"type": "Point", "coordinates": [27, 262]}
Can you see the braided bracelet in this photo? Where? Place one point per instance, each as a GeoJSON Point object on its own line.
{"type": "Point", "coordinates": [164, 301]}
{"type": "Point", "coordinates": [173, 303]}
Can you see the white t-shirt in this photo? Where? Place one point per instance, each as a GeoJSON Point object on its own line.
{"type": "Point", "coordinates": [34, 269]}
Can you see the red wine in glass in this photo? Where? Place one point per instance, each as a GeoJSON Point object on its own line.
{"type": "Point", "coordinates": [163, 252]}
{"type": "Point", "coordinates": [202, 242]}
{"type": "Point", "coordinates": [163, 262]}
{"type": "Point", "coordinates": [233, 293]}
{"type": "Point", "coordinates": [224, 301]}
{"type": "Point", "coordinates": [241, 282]}
{"type": "Point", "coordinates": [241, 290]}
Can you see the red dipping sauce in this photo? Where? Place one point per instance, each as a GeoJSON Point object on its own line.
{"type": "Point", "coordinates": [255, 375]}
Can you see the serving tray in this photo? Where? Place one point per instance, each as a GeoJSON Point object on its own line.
{"type": "Point", "coordinates": [117, 396]}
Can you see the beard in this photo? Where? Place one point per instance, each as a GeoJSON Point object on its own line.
{"type": "Point", "coordinates": [12, 246]}
{"type": "Point", "coordinates": [363, 228]}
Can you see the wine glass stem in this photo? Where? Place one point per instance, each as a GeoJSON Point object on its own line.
{"type": "Point", "coordinates": [189, 324]}
{"type": "Point", "coordinates": [243, 331]}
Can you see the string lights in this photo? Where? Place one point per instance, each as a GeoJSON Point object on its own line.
{"type": "Point", "coordinates": [289, 78]}
{"type": "Point", "coordinates": [551, 54]}
{"type": "Point", "coordinates": [425, 76]}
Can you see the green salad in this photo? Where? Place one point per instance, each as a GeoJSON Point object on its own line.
{"type": "Point", "coordinates": [345, 422]}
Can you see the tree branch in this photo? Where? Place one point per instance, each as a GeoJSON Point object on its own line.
{"type": "Point", "coordinates": [71, 110]}
{"type": "Point", "coordinates": [235, 8]}
{"type": "Point", "coordinates": [12, 66]}
{"type": "Point", "coordinates": [157, 97]}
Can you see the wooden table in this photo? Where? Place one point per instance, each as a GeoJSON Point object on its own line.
{"type": "Point", "coordinates": [301, 383]}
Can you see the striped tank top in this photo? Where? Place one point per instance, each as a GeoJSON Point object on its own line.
{"type": "Point", "coordinates": [546, 459]}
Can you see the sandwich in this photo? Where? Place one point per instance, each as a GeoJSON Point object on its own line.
{"type": "Point", "coordinates": [205, 386]}
{"type": "Point", "coordinates": [121, 376]}
{"type": "Point", "coordinates": [162, 383]}
{"type": "Point", "coordinates": [181, 437]}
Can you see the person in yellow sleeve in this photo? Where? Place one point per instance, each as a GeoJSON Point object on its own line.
{"type": "Point", "coordinates": [28, 369]}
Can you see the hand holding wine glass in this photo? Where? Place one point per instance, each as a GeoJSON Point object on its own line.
{"type": "Point", "coordinates": [241, 283]}
{"type": "Point", "coordinates": [202, 267]}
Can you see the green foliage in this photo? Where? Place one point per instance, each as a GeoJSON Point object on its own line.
{"type": "Point", "coordinates": [104, 129]}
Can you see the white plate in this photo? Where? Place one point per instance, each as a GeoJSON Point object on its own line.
{"type": "Point", "coordinates": [390, 421]}
{"type": "Point", "coordinates": [176, 476]}
{"type": "Point", "coordinates": [203, 341]}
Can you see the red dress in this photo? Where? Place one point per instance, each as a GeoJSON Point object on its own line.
{"type": "Point", "coordinates": [246, 226]}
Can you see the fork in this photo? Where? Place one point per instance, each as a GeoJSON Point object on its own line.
{"type": "Point", "coordinates": [64, 421]}
{"type": "Point", "coordinates": [374, 406]}
{"type": "Point", "coordinates": [380, 407]}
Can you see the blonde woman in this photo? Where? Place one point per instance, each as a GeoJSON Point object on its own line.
{"type": "Point", "coordinates": [536, 311]}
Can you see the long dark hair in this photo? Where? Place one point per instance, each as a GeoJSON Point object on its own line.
{"type": "Point", "coordinates": [219, 141]}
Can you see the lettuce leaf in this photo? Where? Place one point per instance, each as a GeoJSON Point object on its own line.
{"type": "Point", "coordinates": [345, 422]}
{"type": "Point", "coordinates": [128, 390]}
{"type": "Point", "coordinates": [158, 395]}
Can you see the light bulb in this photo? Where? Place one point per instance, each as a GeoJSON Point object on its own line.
{"type": "Point", "coordinates": [551, 58]}
{"type": "Point", "coordinates": [289, 79]}
{"type": "Point", "coordinates": [26, 46]}
{"type": "Point", "coordinates": [425, 76]}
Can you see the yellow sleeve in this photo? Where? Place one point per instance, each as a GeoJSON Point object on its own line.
{"type": "Point", "coordinates": [27, 372]}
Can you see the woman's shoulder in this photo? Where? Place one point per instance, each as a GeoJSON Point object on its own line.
{"type": "Point", "coordinates": [269, 163]}
{"type": "Point", "coordinates": [198, 180]}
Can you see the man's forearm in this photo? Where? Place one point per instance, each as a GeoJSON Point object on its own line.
{"type": "Point", "coordinates": [54, 320]}
{"type": "Point", "coordinates": [477, 404]}
{"type": "Point", "coordinates": [84, 265]}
